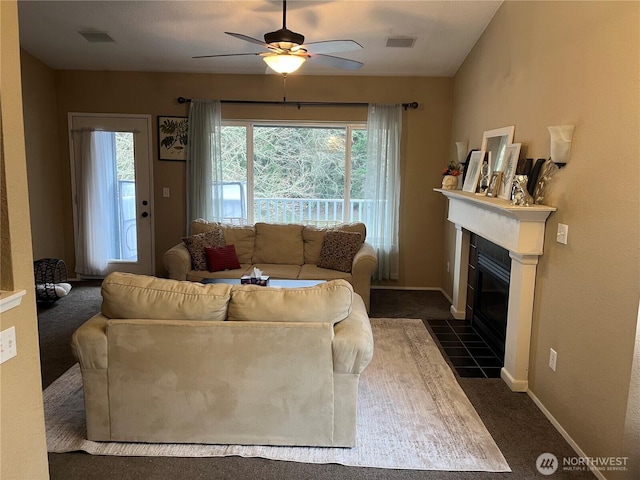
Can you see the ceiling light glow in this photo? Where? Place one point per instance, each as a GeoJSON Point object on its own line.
{"type": "Point", "coordinates": [284, 63]}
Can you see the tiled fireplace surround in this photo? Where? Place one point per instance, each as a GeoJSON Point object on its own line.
{"type": "Point", "coordinates": [519, 230]}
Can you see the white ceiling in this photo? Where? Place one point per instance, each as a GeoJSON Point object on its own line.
{"type": "Point", "coordinates": [164, 35]}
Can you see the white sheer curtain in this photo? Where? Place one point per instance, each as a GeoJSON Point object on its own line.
{"type": "Point", "coordinates": [96, 241]}
{"type": "Point", "coordinates": [382, 186]}
{"type": "Point", "coordinates": [204, 161]}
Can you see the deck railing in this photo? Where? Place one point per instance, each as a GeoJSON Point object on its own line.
{"type": "Point", "coordinates": [310, 211]}
{"type": "Point", "coordinates": [127, 248]}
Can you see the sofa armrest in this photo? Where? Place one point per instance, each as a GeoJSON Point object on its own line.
{"type": "Point", "coordinates": [364, 265]}
{"type": "Point", "coordinates": [177, 261]}
{"type": "Point", "coordinates": [353, 340]}
{"type": "Point", "coordinates": [89, 343]}
{"type": "Point", "coordinates": [365, 260]}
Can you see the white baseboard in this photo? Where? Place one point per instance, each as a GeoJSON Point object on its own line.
{"type": "Point", "coordinates": [563, 432]}
{"type": "Point", "coordinates": [449, 299]}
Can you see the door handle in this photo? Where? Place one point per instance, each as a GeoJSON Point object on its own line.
{"type": "Point", "coordinates": [145, 214]}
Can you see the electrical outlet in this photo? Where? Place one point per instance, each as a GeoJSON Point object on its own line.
{"type": "Point", "coordinates": [553, 358]}
{"type": "Point", "coordinates": [8, 347]}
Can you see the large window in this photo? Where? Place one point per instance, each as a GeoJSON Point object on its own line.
{"type": "Point", "coordinates": [293, 173]}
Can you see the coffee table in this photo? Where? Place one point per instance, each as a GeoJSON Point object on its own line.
{"type": "Point", "coordinates": [273, 282]}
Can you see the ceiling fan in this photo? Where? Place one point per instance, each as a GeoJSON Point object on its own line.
{"type": "Point", "coordinates": [287, 50]}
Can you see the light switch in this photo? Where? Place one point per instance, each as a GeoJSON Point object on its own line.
{"type": "Point", "coordinates": [165, 192]}
{"type": "Point", "coordinates": [563, 232]}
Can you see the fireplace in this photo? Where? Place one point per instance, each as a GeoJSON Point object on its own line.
{"type": "Point", "coordinates": [491, 266]}
{"type": "Point", "coordinates": [520, 231]}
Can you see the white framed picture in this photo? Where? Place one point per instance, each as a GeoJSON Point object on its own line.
{"type": "Point", "coordinates": [473, 171]}
{"type": "Point", "coordinates": [509, 165]}
{"type": "Point", "coordinates": [172, 138]}
{"type": "Point", "coordinates": [495, 141]}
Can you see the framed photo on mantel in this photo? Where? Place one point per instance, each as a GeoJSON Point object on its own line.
{"type": "Point", "coordinates": [494, 184]}
{"type": "Point", "coordinates": [509, 165]}
{"type": "Point", "coordinates": [473, 171]}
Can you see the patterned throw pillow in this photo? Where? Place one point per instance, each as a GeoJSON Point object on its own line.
{"type": "Point", "coordinates": [222, 258]}
{"type": "Point", "coordinates": [338, 250]}
{"type": "Point", "coordinates": [197, 243]}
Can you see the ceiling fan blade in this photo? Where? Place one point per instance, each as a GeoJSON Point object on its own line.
{"type": "Point", "coordinates": [246, 38]}
{"type": "Point", "coordinates": [332, 46]}
{"type": "Point", "coordinates": [227, 55]}
{"type": "Point", "coordinates": [337, 62]}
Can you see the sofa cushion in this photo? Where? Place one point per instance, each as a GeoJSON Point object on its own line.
{"type": "Point", "coordinates": [125, 295]}
{"type": "Point", "coordinates": [326, 302]}
{"type": "Point", "coordinates": [242, 237]}
{"type": "Point", "coordinates": [356, 227]}
{"type": "Point", "coordinates": [197, 243]}
{"type": "Point", "coordinates": [278, 243]}
{"type": "Point", "coordinates": [314, 272]}
{"type": "Point", "coordinates": [338, 250]}
{"type": "Point", "coordinates": [222, 258]}
{"type": "Point", "coordinates": [313, 237]}
{"type": "Point", "coordinates": [200, 225]}
{"type": "Point", "coordinates": [277, 270]}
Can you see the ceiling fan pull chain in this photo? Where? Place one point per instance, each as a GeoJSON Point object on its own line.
{"type": "Point", "coordinates": [284, 87]}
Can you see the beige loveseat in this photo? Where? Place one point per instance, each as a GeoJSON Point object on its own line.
{"type": "Point", "coordinates": [181, 362]}
{"type": "Point", "coordinates": [283, 251]}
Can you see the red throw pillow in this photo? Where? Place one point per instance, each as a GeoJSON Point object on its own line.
{"type": "Point", "coordinates": [222, 258]}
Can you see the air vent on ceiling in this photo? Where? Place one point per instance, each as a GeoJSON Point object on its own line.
{"type": "Point", "coordinates": [401, 42]}
{"type": "Point", "coordinates": [97, 37]}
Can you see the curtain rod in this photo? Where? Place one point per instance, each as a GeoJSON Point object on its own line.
{"type": "Point", "coordinates": [412, 105]}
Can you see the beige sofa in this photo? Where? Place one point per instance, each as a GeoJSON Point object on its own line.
{"type": "Point", "coordinates": [283, 251]}
{"type": "Point", "coordinates": [181, 362]}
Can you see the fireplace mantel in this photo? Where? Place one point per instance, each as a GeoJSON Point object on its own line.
{"type": "Point", "coordinates": [519, 230]}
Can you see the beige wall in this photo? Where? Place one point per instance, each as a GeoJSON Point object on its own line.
{"type": "Point", "coordinates": [23, 454]}
{"type": "Point", "coordinates": [553, 63]}
{"type": "Point", "coordinates": [426, 133]}
{"type": "Point", "coordinates": [42, 144]}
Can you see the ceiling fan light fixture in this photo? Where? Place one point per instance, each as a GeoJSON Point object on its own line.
{"type": "Point", "coordinates": [284, 63]}
{"type": "Point", "coordinates": [283, 35]}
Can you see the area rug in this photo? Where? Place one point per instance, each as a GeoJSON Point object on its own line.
{"type": "Point", "coordinates": [412, 414]}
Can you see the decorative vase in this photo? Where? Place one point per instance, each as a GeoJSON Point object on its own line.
{"type": "Point", "coordinates": [449, 182]}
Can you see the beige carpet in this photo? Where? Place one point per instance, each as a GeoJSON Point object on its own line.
{"type": "Point", "coordinates": [412, 414]}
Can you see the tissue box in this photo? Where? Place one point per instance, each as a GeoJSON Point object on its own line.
{"type": "Point", "coordinates": [263, 280]}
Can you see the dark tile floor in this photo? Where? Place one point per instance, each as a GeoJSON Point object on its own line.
{"type": "Point", "coordinates": [466, 350]}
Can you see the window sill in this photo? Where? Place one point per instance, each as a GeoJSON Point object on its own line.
{"type": "Point", "coordinates": [9, 300]}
